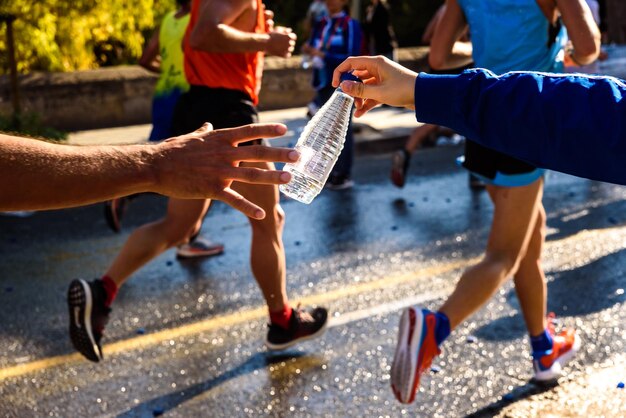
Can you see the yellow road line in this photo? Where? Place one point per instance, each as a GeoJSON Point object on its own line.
{"type": "Point", "coordinates": [235, 318]}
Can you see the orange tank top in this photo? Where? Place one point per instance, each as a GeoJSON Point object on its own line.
{"type": "Point", "coordinates": [240, 71]}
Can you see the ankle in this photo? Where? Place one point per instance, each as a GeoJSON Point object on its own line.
{"type": "Point", "coordinates": [282, 316]}
{"type": "Point", "coordinates": [541, 343]}
{"type": "Point", "coordinates": [110, 288]}
{"type": "Point", "coordinates": [442, 330]}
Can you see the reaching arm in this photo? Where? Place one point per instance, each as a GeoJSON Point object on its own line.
{"type": "Point", "coordinates": [570, 123]}
{"type": "Point", "coordinates": [445, 49]}
{"type": "Point", "coordinates": [39, 175]}
{"type": "Point", "coordinates": [215, 31]}
{"type": "Point", "coordinates": [574, 124]}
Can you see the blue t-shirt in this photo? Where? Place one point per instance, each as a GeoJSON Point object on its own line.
{"type": "Point", "coordinates": [513, 35]}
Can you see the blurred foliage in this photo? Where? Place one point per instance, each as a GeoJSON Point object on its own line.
{"type": "Point", "coordinates": [66, 35]}
{"type": "Point", "coordinates": [409, 17]}
{"type": "Point", "coordinates": [29, 124]}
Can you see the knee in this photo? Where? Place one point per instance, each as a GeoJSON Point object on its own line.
{"type": "Point", "coordinates": [503, 263]}
{"type": "Point", "coordinates": [274, 219]}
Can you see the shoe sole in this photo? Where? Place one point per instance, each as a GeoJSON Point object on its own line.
{"type": "Point", "coordinates": [404, 369]}
{"type": "Point", "coordinates": [80, 303]}
{"type": "Point", "coordinates": [278, 347]}
{"type": "Point", "coordinates": [556, 371]}
{"type": "Point", "coordinates": [185, 254]}
{"type": "Point", "coordinates": [344, 186]}
{"type": "Point", "coordinates": [397, 178]}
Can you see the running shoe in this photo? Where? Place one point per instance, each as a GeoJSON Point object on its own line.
{"type": "Point", "coordinates": [399, 166]}
{"type": "Point", "coordinates": [548, 365]}
{"type": "Point", "coordinates": [303, 325]}
{"type": "Point", "coordinates": [88, 317]}
{"type": "Point", "coordinates": [199, 247]}
{"type": "Point", "coordinates": [415, 352]}
{"type": "Point", "coordinates": [339, 182]}
{"type": "Point", "coordinates": [114, 211]}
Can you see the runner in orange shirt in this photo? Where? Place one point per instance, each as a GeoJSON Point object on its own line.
{"type": "Point", "coordinates": [224, 48]}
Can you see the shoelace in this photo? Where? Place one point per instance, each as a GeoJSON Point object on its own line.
{"type": "Point", "coordinates": [302, 315]}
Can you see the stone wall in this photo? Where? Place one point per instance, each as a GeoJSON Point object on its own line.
{"type": "Point", "coordinates": [121, 96]}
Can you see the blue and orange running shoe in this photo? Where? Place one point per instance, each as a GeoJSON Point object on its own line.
{"type": "Point", "coordinates": [415, 352]}
{"type": "Point", "coordinates": [548, 365]}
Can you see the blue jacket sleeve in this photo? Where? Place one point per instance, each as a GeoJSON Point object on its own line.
{"type": "Point", "coordinates": [575, 124]}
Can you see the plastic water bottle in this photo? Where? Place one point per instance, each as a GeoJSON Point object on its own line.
{"type": "Point", "coordinates": [319, 146]}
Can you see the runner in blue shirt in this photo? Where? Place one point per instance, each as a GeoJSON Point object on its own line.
{"type": "Point", "coordinates": [334, 38]}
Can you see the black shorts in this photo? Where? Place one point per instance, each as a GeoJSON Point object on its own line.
{"type": "Point", "coordinates": [497, 168]}
{"type": "Point", "coordinates": [223, 108]}
{"type": "Point", "coordinates": [492, 166]}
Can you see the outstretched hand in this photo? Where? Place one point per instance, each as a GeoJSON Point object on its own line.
{"type": "Point", "coordinates": [204, 163]}
{"type": "Point", "coordinates": [384, 81]}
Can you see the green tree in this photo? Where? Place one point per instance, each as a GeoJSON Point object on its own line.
{"type": "Point", "coordinates": [67, 35]}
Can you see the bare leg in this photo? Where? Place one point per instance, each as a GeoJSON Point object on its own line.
{"type": "Point", "coordinates": [267, 254]}
{"type": "Point", "coordinates": [418, 136]}
{"type": "Point", "coordinates": [183, 219]}
{"type": "Point", "coordinates": [530, 282]}
{"type": "Point", "coordinates": [515, 216]}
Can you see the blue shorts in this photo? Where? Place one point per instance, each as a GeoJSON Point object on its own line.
{"type": "Point", "coordinates": [162, 111]}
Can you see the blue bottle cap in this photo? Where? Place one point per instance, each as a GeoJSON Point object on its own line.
{"type": "Point", "coordinates": [350, 77]}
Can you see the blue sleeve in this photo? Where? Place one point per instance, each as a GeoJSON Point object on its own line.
{"type": "Point", "coordinates": [575, 124]}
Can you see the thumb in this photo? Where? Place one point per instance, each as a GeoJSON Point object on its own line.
{"type": "Point", "coordinates": [361, 90]}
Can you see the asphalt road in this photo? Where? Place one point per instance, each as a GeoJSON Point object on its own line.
{"type": "Point", "coordinates": [186, 338]}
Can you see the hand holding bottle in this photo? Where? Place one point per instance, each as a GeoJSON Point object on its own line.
{"type": "Point", "coordinates": [384, 81]}
{"type": "Point", "coordinates": [319, 146]}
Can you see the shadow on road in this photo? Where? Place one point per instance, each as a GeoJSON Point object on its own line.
{"type": "Point", "coordinates": [519, 393]}
{"type": "Point", "coordinates": [588, 289]}
{"type": "Point", "coordinates": [609, 215]}
{"type": "Point", "coordinates": [160, 405]}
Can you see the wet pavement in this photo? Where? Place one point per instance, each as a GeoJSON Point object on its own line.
{"type": "Point", "coordinates": [186, 338]}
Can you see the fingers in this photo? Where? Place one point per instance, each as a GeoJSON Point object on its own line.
{"type": "Point", "coordinates": [237, 201]}
{"type": "Point", "coordinates": [257, 175]}
{"type": "Point", "coordinates": [206, 127]}
{"type": "Point", "coordinates": [269, 20]}
{"type": "Point", "coordinates": [354, 89]}
{"type": "Point", "coordinates": [359, 64]}
{"type": "Point", "coordinates": [249, 132]}
{"type": "Point", "coordinates": [260, 153]}
{"type": "Point", "coordinates": [365, 107]}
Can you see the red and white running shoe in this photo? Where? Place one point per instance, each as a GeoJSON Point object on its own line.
{"type": "Point", "coordinates": [415, 352]}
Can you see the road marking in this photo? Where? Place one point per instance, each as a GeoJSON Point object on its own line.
{"type": "Point", "coordinates": [584, 238]}
{"type": "Point", "coordinates": [254, 314]}
{"type": "Point", "coordinates": [385, 308]}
